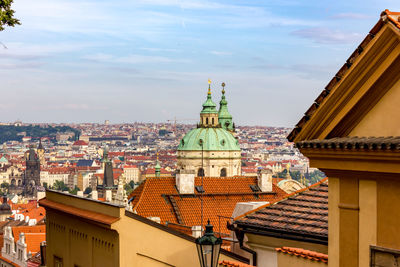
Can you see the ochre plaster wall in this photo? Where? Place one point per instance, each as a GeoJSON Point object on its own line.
{"type": "Point", "coordinates": [388, 213]}
{"type": "Point", "coordinates": [80, 243]}
{"type": "Point", "coordinates": [333, 222]}
{"type": "Point", "coordinates": [382, 119]}
{"type": "Point", "coordinates": [367, 215]}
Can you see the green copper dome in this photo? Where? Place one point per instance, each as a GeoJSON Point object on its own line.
{"type": "Point", "coordinates": [209, 106]}
{"type": "Point", "coordinates": [214, 139]}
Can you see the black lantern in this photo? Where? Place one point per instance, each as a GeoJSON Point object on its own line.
{"type": "Point", "coordinates": [208, 247]}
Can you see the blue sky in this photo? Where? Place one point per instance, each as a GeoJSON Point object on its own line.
{"type": "Point", "coordinates": [127, 61]}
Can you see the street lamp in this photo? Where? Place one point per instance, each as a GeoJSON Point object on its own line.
{"type": "Point", "coordinates": [208, 247]}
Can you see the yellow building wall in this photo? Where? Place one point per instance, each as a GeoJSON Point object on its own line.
{"type": "Point", "coordinates": [388, 213]}
{"type": "Point", "coordinates": [368, 219]}
{"type": "Point", "coordinates": [286, 260]}
{"type": "Point", "coordinates": [382, 119]}
{"type": "Point", "coordinates": [333, 222]}
{"type": "Point", "coordinates": [80, 243]}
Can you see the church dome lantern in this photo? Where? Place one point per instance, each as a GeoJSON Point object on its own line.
{"type": "Point", "coordinates": [210, 148]}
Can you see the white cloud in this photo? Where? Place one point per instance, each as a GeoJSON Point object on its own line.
{"type": "Point", "coordinates": [132, 59]}
{"type": "Point", "coordinates": [328, 36]}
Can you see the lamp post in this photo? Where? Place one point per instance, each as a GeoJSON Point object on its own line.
{"type": "Point", "coordinates": [208, 247]}
{"type": "Point", "coordinates": [202, 176]}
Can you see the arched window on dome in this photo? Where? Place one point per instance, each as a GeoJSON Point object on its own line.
{"type": "Point", "coordinates": [223, 172]}
{"type": "Point", "coordinates": [200, 172]}
{"type": "Point", "coordinates": [212, 121]}
{"type": "Point", "coordinates": [206, 121]}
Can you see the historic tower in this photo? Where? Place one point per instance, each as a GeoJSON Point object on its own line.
{"type": "Point", "coordinates": [32, 173]}
{"type": "Point", "coordinates": [211, 149]}
{"type": "Point", "coordinates": [108, 178]}
{"type": "Point", "coordinates": [40, 153]}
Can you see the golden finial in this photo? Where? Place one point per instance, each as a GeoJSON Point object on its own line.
{"type": "Point", "coordinates": [157, 156]}
{"type": "Point", "coordinates": [223, 88]}
{"type": "Point", "coordinates": [209, 86]}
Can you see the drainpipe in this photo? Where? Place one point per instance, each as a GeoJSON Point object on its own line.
{"type": "Point", "coordinates": [240, 236]}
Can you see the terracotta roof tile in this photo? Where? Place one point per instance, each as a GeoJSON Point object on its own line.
{"type": "Point", "coordinates": [34, 235]}
{"type": "Point", "coordinates": [365, 143]}
{"type": "Point", "coordinates": [159, 197]}
{"type": "Point", "coordinates": [306, 254]}
{"type": "Point", "coordinates": [228, 263]}
{"type": "Point", "coordinates": [304, 212]}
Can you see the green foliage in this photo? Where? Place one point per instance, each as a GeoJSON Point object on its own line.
{"type": "Point", "coordinates": [129, 187]}
{"type": "Point", "coordinates": [9, 132]}
{"type": "Point", "coordinates": [88, 190]}
{"type": "Point", "coordinates": [74, 191]}
{"type": "Point", "coordinates": [60, 186]}
{"type": "Point", "coordinates": [5, 185]}
{"type": "Point", "coordinates": [296, 175]}
{"type": "Point", "coordinates": [282, 174]}
{"type": "Point", "coordinates": [7, 15]}
{"type": "Point", "coordinates": [316, 176]}
{"type": "Point", "coordinates": [45, 185]}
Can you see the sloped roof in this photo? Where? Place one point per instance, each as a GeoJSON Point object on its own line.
{"type": "Point", "coordinates": [159, 197]}
{"type": "Point", "coordinates": [306, 254]}
{"type": "Point", "coordinates": [386, 16]}
{"type": "Point", "coordinates": [34, 235]}
{"type": "Point", "coordinates": [84, 163]}
{"type": "Point", "coordinates": [304, 213]}
{"type": "Point", "coordinates": [227, 263]}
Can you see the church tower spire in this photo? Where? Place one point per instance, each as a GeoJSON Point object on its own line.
{"type": "Point", "coordinates": [224, 117]}
{"type": "Point", "coordinates": [158, 167]}
{"type": "Point", "coordinates": [209, 114]}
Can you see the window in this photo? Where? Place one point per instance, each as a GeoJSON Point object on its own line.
{"type": "Point", "coordinates": [384, 256]}
{"type": "Point", "coordinates": [223, 172]}
{"type": "Point", "coordinates": [206, 121]}
{"type": "Point", "coordinates": [58, 262]}
{"type": "Point", "coordinates": [212, 121]}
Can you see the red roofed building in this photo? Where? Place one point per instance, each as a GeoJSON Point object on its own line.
{"type": "Point", "coordinates": [178, 200]}
{"type": "Point", "coordinates": [20, 242]}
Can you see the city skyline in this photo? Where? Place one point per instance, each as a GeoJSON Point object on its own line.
{"type": "Point", "coordinates": [149, 61]}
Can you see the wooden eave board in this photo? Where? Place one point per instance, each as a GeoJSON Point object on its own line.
{"type": "Point", "coordinates": [378, 56]}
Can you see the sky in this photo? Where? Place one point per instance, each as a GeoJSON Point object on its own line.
{"type": "Point", "coordinates": [150, 60]}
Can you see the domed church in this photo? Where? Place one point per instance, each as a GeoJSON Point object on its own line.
{"type": "Point", "coordinates": [211, 149]}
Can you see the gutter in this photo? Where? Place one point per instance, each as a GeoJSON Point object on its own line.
{"type": "Point", "coordinates": [240, 236]}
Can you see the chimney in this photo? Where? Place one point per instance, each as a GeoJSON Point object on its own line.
{"type": "Point", "coordinates": [43, 253]}
{"type": "Point", "coordinates": [108, 195]}
{"type": "Point", "coordinates": [196, 231]}
{"type": "Point", "coordinates": [185, 181]}
{"type": "Point", "coordinates": [264, 179]}
{"type": "Point", "coordinates": [94, 195]}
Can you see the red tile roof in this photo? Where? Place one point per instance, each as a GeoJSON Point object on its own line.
{"type": "Point", "coordinates": [80, 143]}
{"type": "Point", "coordinates": [34, 235]}
{"type": "Point", "coordinates": [306, 254]}
{"type": "Point", "coordinates": [304, 212]}
{"type": "Point", "coordinates": [158, 197]}
{"type": "Point", "coordinates": [233, 264]}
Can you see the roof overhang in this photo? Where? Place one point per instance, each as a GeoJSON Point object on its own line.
{"type": "Point", "coordinates": [100, 219]}
{"type": "Point", "coordinates": [362, 81]}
